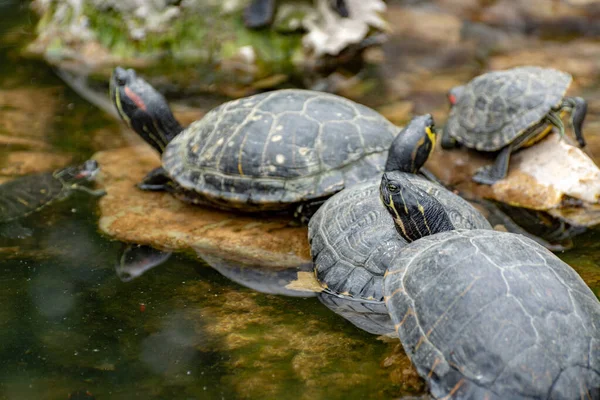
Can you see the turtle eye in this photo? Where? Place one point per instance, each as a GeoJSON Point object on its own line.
{"type": "Point", "coordinates": [392, 188]}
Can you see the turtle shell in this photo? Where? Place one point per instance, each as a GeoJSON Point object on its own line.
{"type": "Point", "coordinates": [278, 148]}
{"type": "Point", "coordinates": [493, 315]}
{"type": "Point", "coordinates": [25, 195]}
{"type": "Point", "coordinates": [353, 240]}
{"type": "Point", "coordinates": [498, 107]}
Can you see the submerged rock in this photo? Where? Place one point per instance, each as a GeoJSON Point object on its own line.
{"type": "Point", "coordinates": [158, 219]}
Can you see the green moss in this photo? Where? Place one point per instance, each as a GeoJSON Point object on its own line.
{"type": "Point", "coordinates": [196, 44]}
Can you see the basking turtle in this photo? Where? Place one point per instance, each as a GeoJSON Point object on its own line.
{"type": "Point", "coordinates": [352, 240]}
{"type": "Point", "coordinates": [260, 13]}
{"type": "Point", "coordinates": [271, 151]}
{"type": "Point", "coordinates": [502, 111]}
{"type": "Point", "coordinates": [28, 194]}
{"type": "Point", "coordinates": [485, 314]}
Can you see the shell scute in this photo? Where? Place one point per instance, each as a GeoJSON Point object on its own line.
{"type": "Point", "coordinates": [342, 148]}
{"type": "Point", "coordinates": [285, 101]}
{"type": "Point", "coordinates": [323, 109]}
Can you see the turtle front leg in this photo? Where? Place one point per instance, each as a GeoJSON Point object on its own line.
{"type": "Point", "coordinates": [491, 174]}
{"type": "Point", "coordinates": [448, 142]}
{"type": "Point", "coordinates": [157, 180]}
{"type": "Point", "coordinates": [578, 107]}
{"type": "Point", "coordinates": [553, 118]}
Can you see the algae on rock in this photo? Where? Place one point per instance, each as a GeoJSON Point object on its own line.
{"type": "Point", "coordinates": [193, 45]}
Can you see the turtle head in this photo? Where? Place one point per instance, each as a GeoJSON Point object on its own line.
{"type": "Point", "coordinates": [416, 213]}
{"type": "Point", "coordinates": [143, 108]}
{"type": "Point", "coordinates": [78, 174]}
{"type": "Point", "coordinates": [454, 94]}
{"type": "Point", "coordinates": [411, 148]}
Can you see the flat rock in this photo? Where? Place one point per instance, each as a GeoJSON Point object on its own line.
{"type": "Point", "coordinates": [552, 176]}
{"type": "Point", "coordinates": [160, 220]}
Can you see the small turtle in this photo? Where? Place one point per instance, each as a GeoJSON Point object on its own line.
{"type": "Point", "coordinates": [352, 240]}
{"type": "Point", "coordinates": [271, 151]}
{"type": "Point", "coordinates": [485, 314]}
{"type": "Point", "coordinates": [28, 194]}
{"type": "Point", "coordinates": [502, 111]}
{"type": "Point", "coordinates": [260, 13]}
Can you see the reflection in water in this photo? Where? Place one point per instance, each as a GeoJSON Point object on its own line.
{"type": "Point", "coordinates": [264, 280]}
{"type": "Point", "coordinates": [137, 259]}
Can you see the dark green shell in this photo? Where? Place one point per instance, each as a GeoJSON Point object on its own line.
{"type": "Point", "coordinates": [25, 195]}
{"type": "Point", "coordinates": [498, 107]}
{"type": "Point", "coordinates": [279, 148]}
{"type": "Point", "coordinates": [353, 240]}
{"type": "Point", "coordinates": [493, 315]}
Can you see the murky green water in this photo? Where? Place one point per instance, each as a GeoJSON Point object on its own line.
{"type": "Point", "coordinates": [182, 330]}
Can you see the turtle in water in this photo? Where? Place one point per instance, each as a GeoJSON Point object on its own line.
{"type": "Point", "coordinates": [503, 111]}
{"type": "Point", "coordinates": [260, 13]}
{"type": "Point", "coordinates": [485, 314]}
{"type": "Point", "coordinates": [352, 241]}
{"type": "Point", "coordinates": [267, 152]}
{"type": "Point", "coordinates": [28, 194]}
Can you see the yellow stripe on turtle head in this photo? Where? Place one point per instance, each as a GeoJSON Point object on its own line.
{"type": "Point", "coordinates": [422, 211]}
{"type": "Point", "coordinates": [397, 219]}
{"type": "Point", "coordinates": [120, 108]}
{"type": "Point", "coordinates": [431, 135]}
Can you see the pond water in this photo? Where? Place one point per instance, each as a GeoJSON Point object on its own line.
{"type": "Point", "coordinates": [182, 330]}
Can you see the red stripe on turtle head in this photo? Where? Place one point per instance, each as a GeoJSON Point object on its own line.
{"type": "Point", "coordinates": [452, 98]}
{"type": "Point", "coordinates": [135, 98]}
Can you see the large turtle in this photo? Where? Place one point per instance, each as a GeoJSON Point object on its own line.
{"type": "Point", "coordinates": [502, 111]}
{"type": "Point", "coordinates": [25, 195]}
{"type": "Point", "coordinates": [352, 240]}
{"type": "Point", "coordinates": [485, 314]}
{"type": "Point", "coordinates": [271, 151]}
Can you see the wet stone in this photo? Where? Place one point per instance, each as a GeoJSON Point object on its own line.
{"type": "Point", "coordinates": [551, 176]}
{"type": "Point", "coordinates": [162, 221]}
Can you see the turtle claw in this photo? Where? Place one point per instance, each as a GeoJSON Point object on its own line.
{"type": "Point", "coordinates": [485, 176]}
{"type": "Point", "coordinates": [157, 180]}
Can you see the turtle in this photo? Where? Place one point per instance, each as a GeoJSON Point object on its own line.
{"type": "Point", "coordinates": [25, 195]}
{"type": "Point", "coordinates": [352, 241]}
{"type": "Point", "coordinates": [282, 150]}
{"type": "Point", "coordinates": [260, 13]}
{"type": "Point", "coordinates": [484, 314]}
{"type": "Point", "coordinates": [503, 111]}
